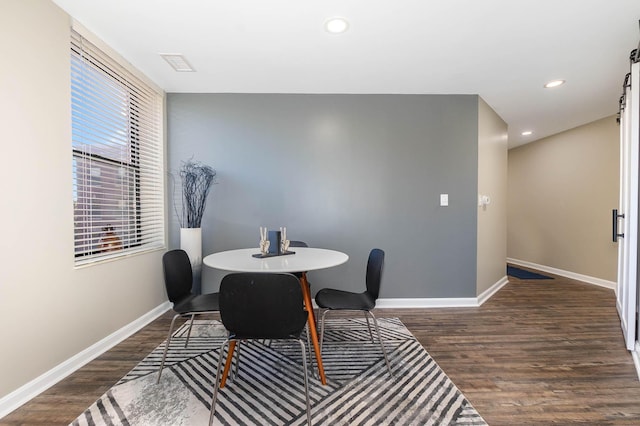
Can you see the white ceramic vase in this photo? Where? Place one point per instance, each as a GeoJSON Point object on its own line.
{"type": "Point", "coordinates": [191, 242]}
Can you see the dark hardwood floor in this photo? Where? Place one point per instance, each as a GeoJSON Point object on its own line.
{"type": "Point", "coordinates": [538, 352]}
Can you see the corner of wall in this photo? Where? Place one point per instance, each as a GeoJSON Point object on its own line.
{"type": "Point", "coordinates": [492, 198]}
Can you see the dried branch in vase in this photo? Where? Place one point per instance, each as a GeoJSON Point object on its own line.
{"type": "Point", "coordinates": [196, 184]}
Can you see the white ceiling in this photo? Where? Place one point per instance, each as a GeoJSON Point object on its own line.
{"type": "Point", "coordinates": [503, 50]}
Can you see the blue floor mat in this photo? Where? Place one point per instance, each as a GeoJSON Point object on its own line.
{"type": "Point", "coordinates": [525, 275]}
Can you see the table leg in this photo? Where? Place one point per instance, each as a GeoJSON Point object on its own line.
{"type": "Point", "coordinates": [227, 365]}
{"type": "Point", "coordinates": [306, 293]}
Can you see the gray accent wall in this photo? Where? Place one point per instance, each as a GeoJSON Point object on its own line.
{"type": "Point", "coordinates": [346, 172]}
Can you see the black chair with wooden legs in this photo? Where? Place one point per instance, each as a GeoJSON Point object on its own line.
{"type": "Point", "coordinates": [292, 243]}
{"type": "Point", "coordinates": [259, 306]}
{"type": "Point", "coordinates": [329, 299]}
{"type": "Point", "coordinates": [178, 278]}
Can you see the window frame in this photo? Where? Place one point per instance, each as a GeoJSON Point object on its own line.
{"type": "Point", "coordinates": [135, 171]}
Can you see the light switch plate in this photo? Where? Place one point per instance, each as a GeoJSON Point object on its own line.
{"type": "Point", "coordinates": [444, 200]}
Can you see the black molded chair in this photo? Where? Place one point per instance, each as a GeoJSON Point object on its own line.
{"type": "Point", "coordinates": [329, 299]}
{"type": "Point", "coordinates": [258, 306]}
{"type": "Point", "coordinates": [178, 278]}
{"type": "Point", "coordinates": [292, 243]}
{"type": "Point", "coordinates": [296, 243]}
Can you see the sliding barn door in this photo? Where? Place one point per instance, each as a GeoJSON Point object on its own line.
{"type": "Point", "coordinates": [625, 219]}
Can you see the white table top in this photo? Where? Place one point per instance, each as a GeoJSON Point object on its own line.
{"type": "Point", "coordinates": [304, 259]}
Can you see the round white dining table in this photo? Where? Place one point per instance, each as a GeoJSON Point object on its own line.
{"type": "Point", "coordinates": [303, 259]}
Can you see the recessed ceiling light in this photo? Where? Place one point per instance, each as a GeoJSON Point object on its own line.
{"type": "Point", "coordinates": [527, 133]}
{"type": "Point", "coordinates": [336, 25]}
{"type": "Point", "coordinates": [178, 62]}
{"type": "Point", "coordinates": [554, 83]}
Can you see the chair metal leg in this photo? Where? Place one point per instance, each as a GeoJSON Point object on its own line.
{"type": "Point", "coordinates": [217, 383]}
{"type": "Point", "coordinates": [384, 352]}
{"type": "Point", "coordinates": [306, 381]}
{"type": "Point", "coordinates": [324, 313]}
{"type": "Point", "coordinates": [166, 347]}
{"type": "Point", "coordinates": [189, 331]}
{"type": "Point", "coordinates": [368, 326]}
{"type": "Point", "coordinates": [236, 353]}
{"type": "Point", "coordinates": [311, 365]}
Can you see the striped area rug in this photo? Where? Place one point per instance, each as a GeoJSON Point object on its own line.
{"type": "Point", "coordinates": [269, 390]}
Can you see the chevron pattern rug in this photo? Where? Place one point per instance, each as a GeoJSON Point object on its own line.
{"type": "Point", "coordinates": [269, 388]}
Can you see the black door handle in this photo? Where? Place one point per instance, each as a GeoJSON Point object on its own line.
{"type": "Point", "coordinates": [614, 219]}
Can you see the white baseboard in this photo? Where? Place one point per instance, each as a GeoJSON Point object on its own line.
{"type": "Point", "coordinates": [38, 385]}
{"type": "Point", "coordinates": [408, 303]}
{"type": "Point", "coordinates": [439, 302]}
{"type": "Point", "coordinates": [488, 293]}
{"type": "Point", "coordinates": [444, 302]}
{"type": "Point", "coordinates": [585, 278]}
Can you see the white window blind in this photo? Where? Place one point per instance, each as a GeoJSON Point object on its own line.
{"type": "Point", "coordinates": [117, 145]}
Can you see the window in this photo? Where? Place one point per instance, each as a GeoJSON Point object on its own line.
{"type": "Point", "coordinates": [118, 199]}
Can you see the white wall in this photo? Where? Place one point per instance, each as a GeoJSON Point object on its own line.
{"type": "Point", "coordinates": [561, 192]}
{"type": "Point", "coordinates": [492, 182]}
{"type": "Point", "coordinates": [49, 310]}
